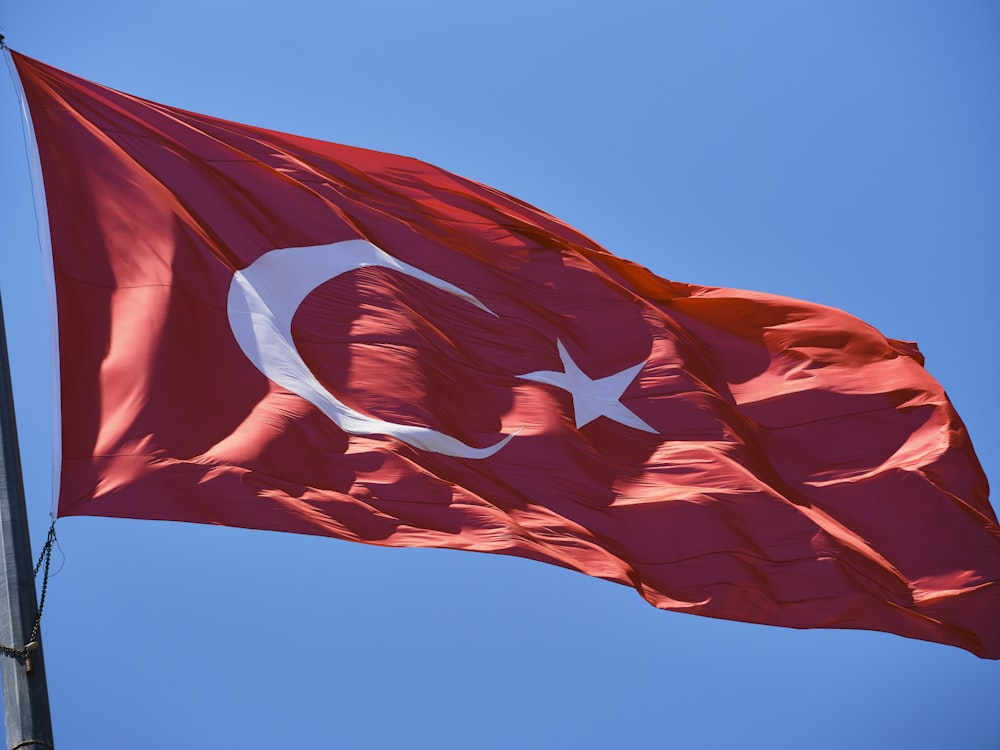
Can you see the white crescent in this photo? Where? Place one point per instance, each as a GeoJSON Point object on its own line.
{"type": "Point", "coordinates": [263, 298]}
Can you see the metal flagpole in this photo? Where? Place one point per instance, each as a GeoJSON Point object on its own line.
{"type": "Point", "coordinates": [25, 694]}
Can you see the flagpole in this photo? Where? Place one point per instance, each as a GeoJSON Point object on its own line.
{"type": "Point", "coordinates": [25, 693]}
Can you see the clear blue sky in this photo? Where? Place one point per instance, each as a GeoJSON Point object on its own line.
{"type": "Point", "coordinates": [841, 152]}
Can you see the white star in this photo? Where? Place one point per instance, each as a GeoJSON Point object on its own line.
{"type": "Point", "coordinates": [592, 398]}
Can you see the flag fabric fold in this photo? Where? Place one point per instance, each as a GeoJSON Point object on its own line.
{"type": "Point", "coordinates": [267, 331]}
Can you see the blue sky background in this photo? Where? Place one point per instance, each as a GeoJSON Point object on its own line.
{"type": "Point", "coordinates": [841, 152]}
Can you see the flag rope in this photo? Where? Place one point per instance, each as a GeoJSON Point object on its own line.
{"type": "Point", "coordinates": [45, 558]}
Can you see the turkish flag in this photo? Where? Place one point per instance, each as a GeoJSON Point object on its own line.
{"type": "Point", "coordinates": [266, 331]}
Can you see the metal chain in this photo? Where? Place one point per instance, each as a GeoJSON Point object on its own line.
{"type": "Point", "coordinates": [21, 654]}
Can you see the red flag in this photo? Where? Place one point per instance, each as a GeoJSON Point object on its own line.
{"type": "Point", "coordinates": [262, 330]}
